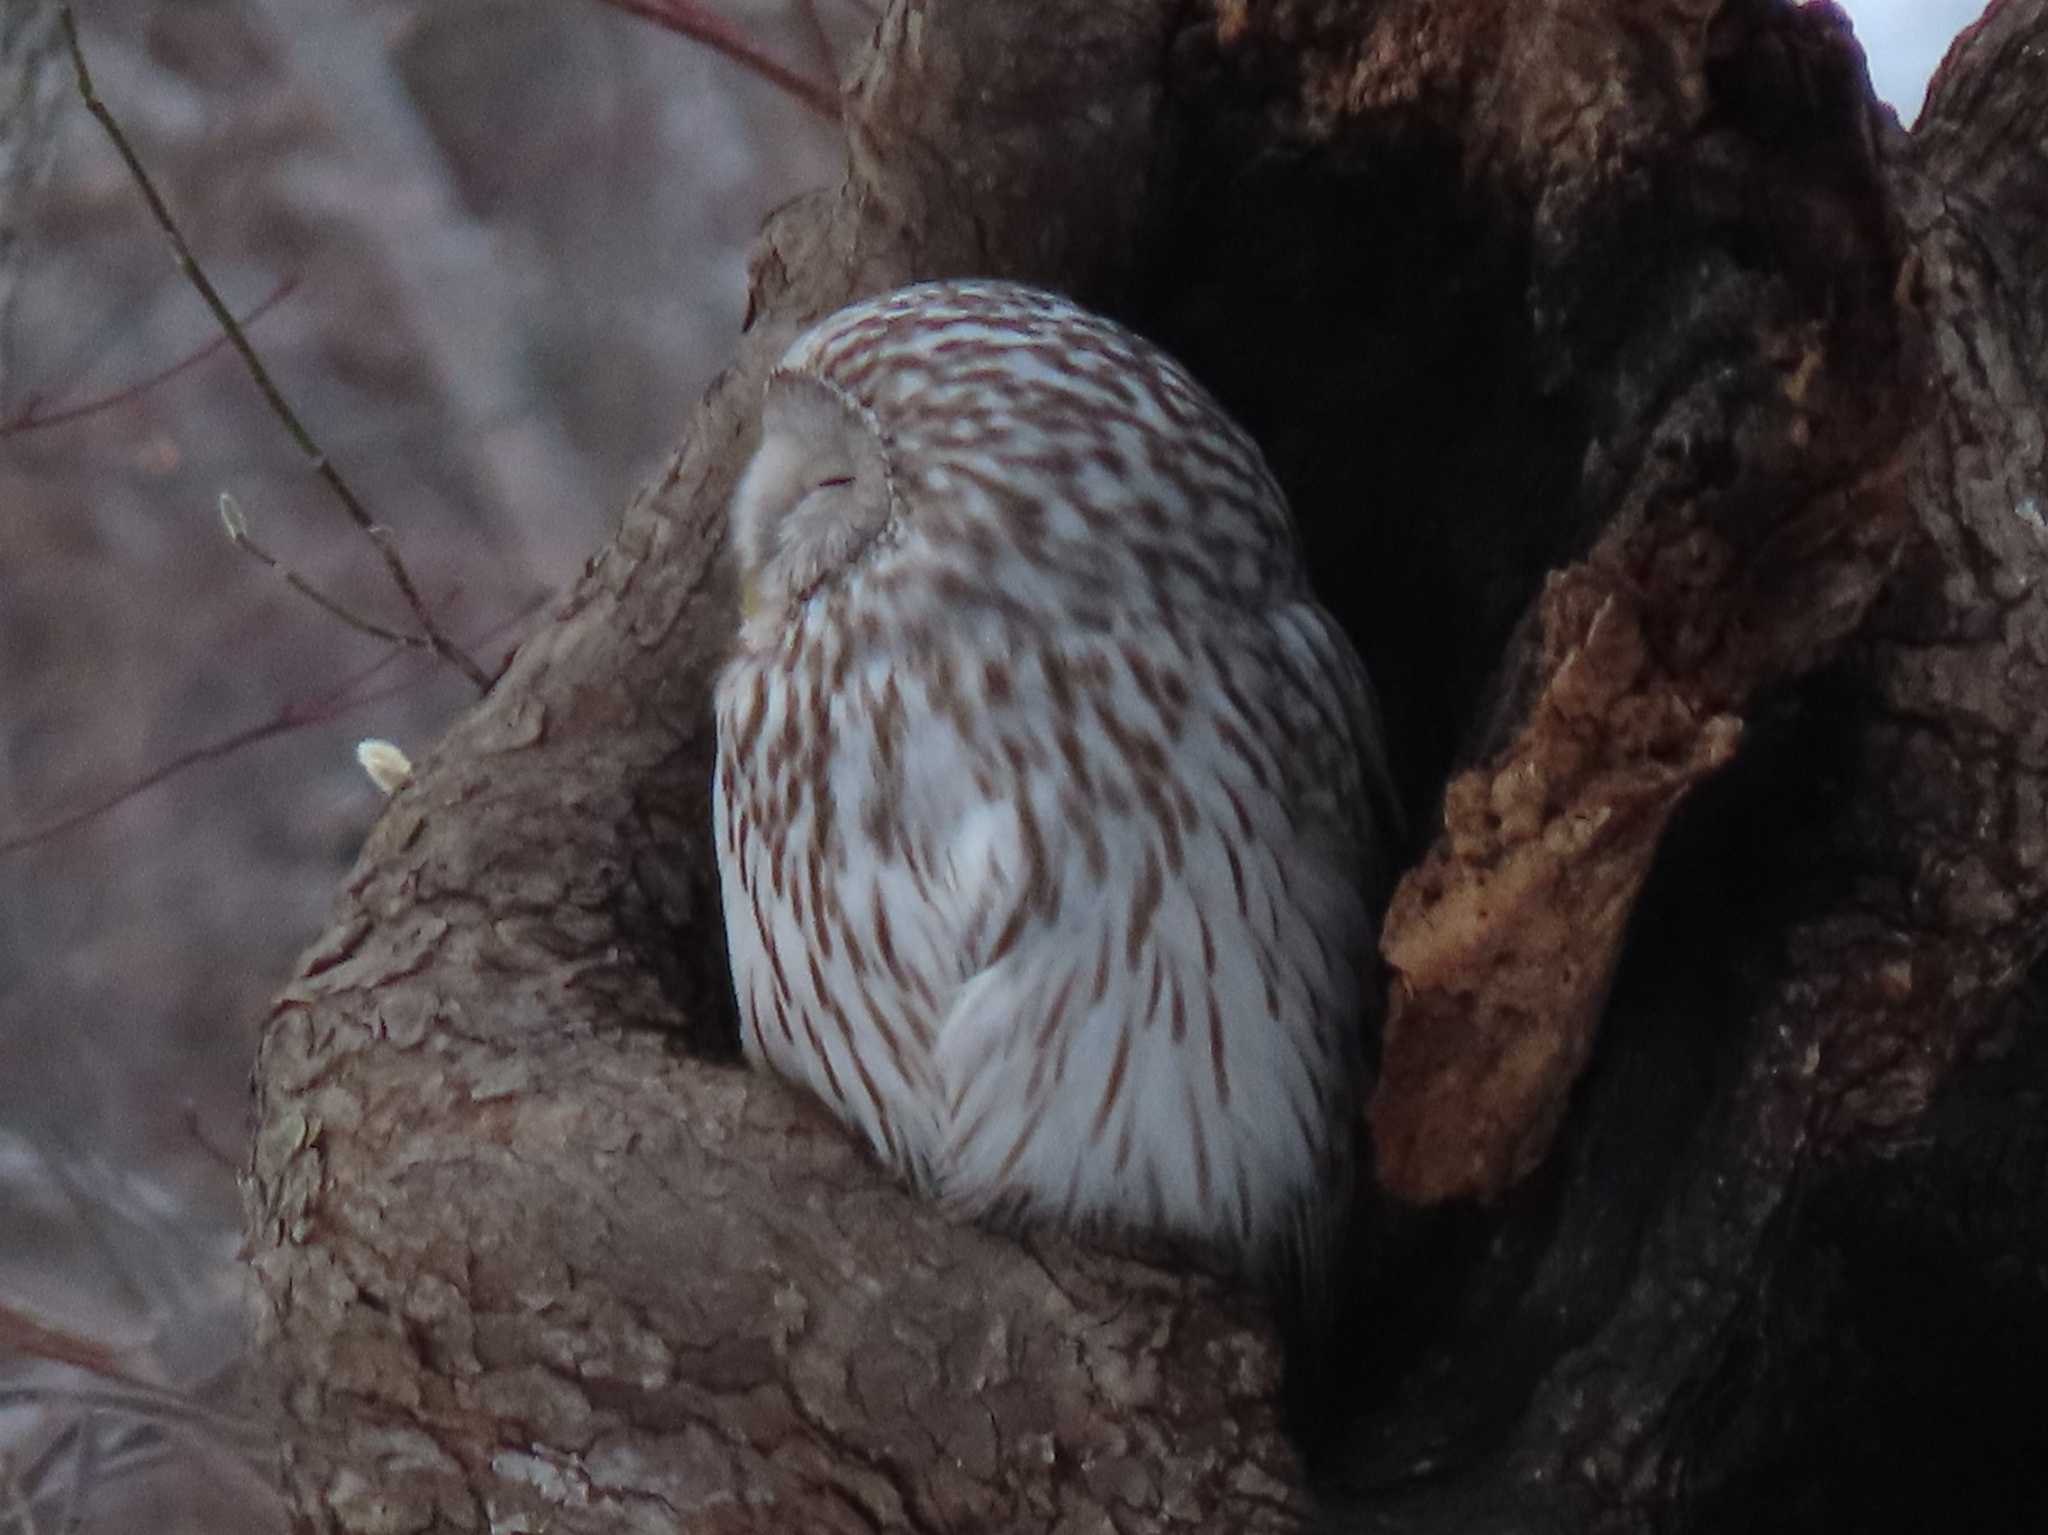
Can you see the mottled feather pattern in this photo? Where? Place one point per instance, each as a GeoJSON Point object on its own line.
{"type": "Point", "coordinates": [1048, 799]}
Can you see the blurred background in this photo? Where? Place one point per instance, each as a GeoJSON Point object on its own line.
{"type": "Point", "coordinates": [492, 250]}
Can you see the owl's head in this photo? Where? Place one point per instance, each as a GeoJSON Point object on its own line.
{"type": "Point", "coordinates": [814, 496]}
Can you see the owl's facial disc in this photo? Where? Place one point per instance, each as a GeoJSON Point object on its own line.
{"type": "Point", "coordinates": [813, 498]}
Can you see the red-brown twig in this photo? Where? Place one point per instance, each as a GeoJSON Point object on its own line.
{"type": "Point", "coordinates": [336, 701]}
{"type": "Point", "coordinates": [31, 418]}
{"type": "Point", "coordinates": [694, 21]}
{"type": "Point", "coordinates": [24, 1334]}
{"type": "Point", "coordinates": [430, 636]}
{"type": "Point", "coordinates": [288, 717]}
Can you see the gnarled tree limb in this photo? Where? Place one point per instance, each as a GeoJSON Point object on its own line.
{"type": "Point", "coordinates": [1665, 423]}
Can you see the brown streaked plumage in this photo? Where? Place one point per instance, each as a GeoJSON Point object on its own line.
{"type": "Point", "coordinates": [1051, 808]}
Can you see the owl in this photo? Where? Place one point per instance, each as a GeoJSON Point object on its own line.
{"type": "Point", "coordinates": [1052, 817]}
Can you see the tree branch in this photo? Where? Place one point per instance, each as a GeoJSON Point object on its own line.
{"type": "Point", "coordinates": [1658, 425]}
{"type": "Point", "coordinates": [379, 536]}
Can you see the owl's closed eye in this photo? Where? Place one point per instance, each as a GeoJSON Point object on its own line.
{"type": "Point", "coordinates": [815, 494]}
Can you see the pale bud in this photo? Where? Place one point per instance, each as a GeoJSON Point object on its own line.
{"type": "Point", "coordinates": [387, 766]}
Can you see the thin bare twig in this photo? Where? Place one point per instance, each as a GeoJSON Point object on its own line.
{"type": "Point", "coordinates": [332, 704]}
{"type": "Point", "coordinates": [287, 718]}
{"type": "Point", "coordinates": [431, 633]}
{"type": "Point", "coordinates": [23, 1334]}
{"type": "Point", "coordinates": [237, 526]}
{"type": "Point", "coordinates": [692, 20]}
{"type": "Point", "coordinates": [30, 418]}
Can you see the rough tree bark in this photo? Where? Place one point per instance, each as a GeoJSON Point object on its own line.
{"type": "Point", "coordinates": [1669, 426]}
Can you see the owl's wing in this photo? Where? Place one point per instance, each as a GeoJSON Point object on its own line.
{"type": "Point", "coordinates": [841, 954]}
{"type": "Point", "coordinates": [1157, 894]}
{"type": "Point", "coordinates": [1339, 757]}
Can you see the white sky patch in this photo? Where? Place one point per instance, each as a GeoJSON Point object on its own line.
{"type": "Point", "coordinates": [1904, 40]}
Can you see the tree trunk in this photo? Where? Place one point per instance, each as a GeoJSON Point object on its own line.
{"type": "Point", "coordinates": [1668, 427]}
